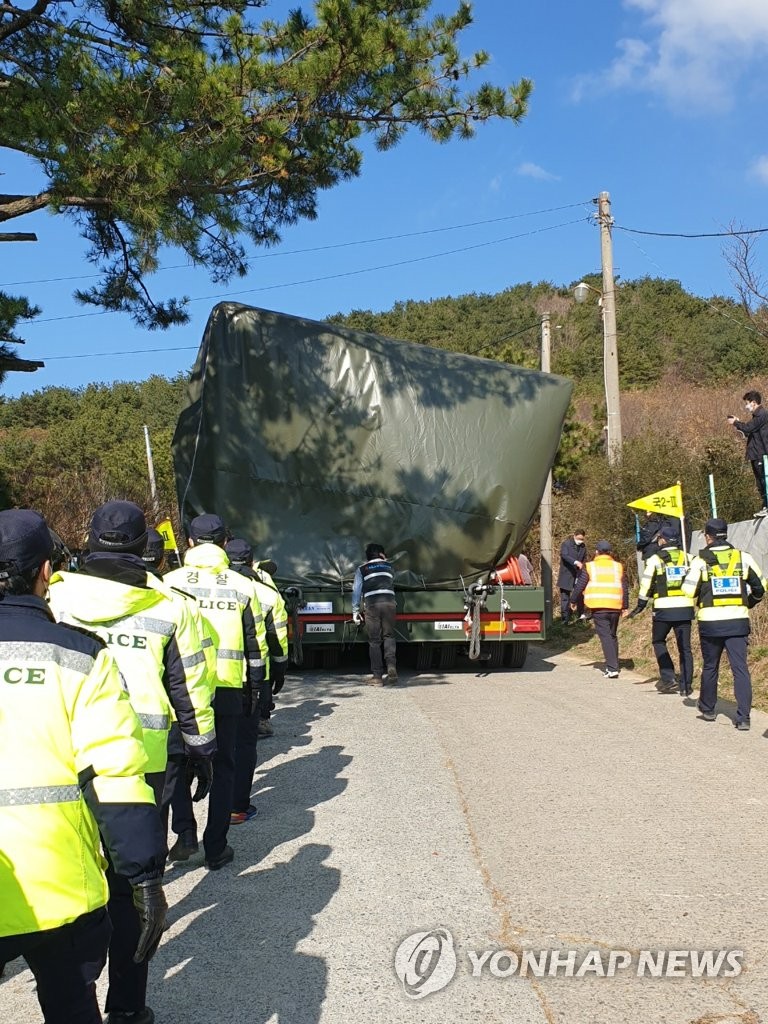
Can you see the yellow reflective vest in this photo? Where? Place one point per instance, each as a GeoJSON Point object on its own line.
{"type": "Point", "coordinates": [604, 590]}
{"type": "Point", "coordinates": [662, 580]}
{"type": "Point", "coordinates": [228, 603]}
{"type": "Point", "coordinates": [158, 651]}
{"type": "Point", "coordinates": [724, 582]}
{"type": "Point", "coordinates": [66, 727]}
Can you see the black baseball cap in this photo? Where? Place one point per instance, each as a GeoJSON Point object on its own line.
{"type": "Point", "coordinates": [118, 526]}
{"type": "Point", "coordinates": [207, 527]}
{"type": "Point", "coordinates": [239, 550]}
{"type": "Point", "coordinates": [716, 528]}
{"type": "Point", "coordinates": [25, 541]}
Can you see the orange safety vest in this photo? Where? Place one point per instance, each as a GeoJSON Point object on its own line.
{"type": "Point", "coordinates": [604, 590]}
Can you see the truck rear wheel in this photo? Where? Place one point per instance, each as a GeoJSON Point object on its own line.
{"type": "Point", "coordinates": [423, 657]}
{"type": "Point", "coordinates": [447, 656]}
{"type": "Point", "coordinates": [497, 655]}
{"type": "Point", "coordinates": [515, 653]}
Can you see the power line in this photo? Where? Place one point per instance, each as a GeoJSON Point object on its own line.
{"type": "Point", "coordinates": [321, 248]}
{"type": "Point", "coordinates": [327, 277]}
{"type": "Point", "coordinates": [703, 234]}
{"type": "Point", "coordinates": [125, 352]}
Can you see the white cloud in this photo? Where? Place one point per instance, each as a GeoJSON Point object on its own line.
{"type": "Point", "coordinates": [692, 52]}
{"type": "Point", "coordinates": [759, 169]}
{"type": "Point", "coordinates": [530, 170]}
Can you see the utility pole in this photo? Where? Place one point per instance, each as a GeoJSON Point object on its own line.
{"type": "Point", "coordinates": [610, 349]}
{"type": "Point", "coordinates": [545, 509]}
{"type": "Point", "coordinates": [151, 470]}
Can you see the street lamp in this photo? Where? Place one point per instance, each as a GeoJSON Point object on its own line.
{"type": "Point", "coordinates": [610, 350]}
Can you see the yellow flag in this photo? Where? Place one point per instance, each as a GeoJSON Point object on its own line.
{"type": "Point", "coordinates": [669, 502]}
{"type": "Point", "coordinates": [165, 529]}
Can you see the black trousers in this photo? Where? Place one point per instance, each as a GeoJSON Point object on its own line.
{"type": "Point", "coordinates": [127, 981]}
{"type": "Point", "coordinates": [606, 625]}
{"type": "Point", "coordinates": [265, 699]}
{"type": "Point", "coordinates": [682, 630]}
{"type": "Point", "coordinates": [380, 619]}
{"type": "Point", "coordinates": [245, 760]}
{"type": "Point", "coordinates": [735, 647]}
{"type": "Point", "coordinates": [220, 797]}
{"type": "Point", "coordinates": [66, 962]}
{"type": "Point", "coordinates": [565, 606]}
{"type": "Point", "coordinates": [759, 470]}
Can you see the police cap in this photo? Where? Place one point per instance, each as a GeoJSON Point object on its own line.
{"type": "Point", "coordinates": [717, 528]}
{"type": "Point", "coordinates": [25, 541]}
{"type": "Point", "coordinates": [207, 527]}
{"type": "Point", "coordinates": [670, 534]}
{"type": "Point", "coordinates": [154, 549]}
{"type": "Point", "coordinates": [118, 526]}
{"type": "Point", "coordinates": [239, 550]}
{"type": "Point", "coordinates": [604, 547]}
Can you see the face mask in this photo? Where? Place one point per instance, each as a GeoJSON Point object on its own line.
{"type": "Point", "coordinates": [749, 407]}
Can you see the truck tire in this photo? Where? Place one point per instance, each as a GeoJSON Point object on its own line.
{"type": "Point", "coordinates": [424, 657]}
{"type": "Point", "coordinates": [447, 657]}
{"type": "Point", "coordinates": [516, 653]}
{"type": "Point", "coordinates": [497, 655]}
{"type": "Point", "coordinates": [329, 656]}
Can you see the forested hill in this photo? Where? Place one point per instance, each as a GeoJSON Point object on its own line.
{"type": "Point", "coordinates": [65, 450]}
{"type": "Point", "coordinates": [662, 330]}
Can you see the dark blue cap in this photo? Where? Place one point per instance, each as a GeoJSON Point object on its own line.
{"type": "Point", "coordinates": [670, 534]}
{"type": "Point", "coordinates": [604, 546]}
{"type": "Point", "coordinates": [154, 549]}
{"type": "Point", "coordinates": [25, 541]}
{"type": "Point", "coordinates": [118, 526]}
{"type": "Point", "coordinates": [716, 528]}
{"type": "Point", "coordinates": [207, 527]}
{"type": "Point", "coordinates": [239, 550]}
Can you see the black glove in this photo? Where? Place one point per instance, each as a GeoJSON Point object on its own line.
{"type": "Point", "coordinates": [278, 680]}
{"type": "Point", "coordinates": [636, 611]}
{"type": "Point", "coordinates": [200, 769]}
{"type": "Point", "coordinates": [149, 900]}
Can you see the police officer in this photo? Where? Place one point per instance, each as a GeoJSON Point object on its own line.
{"type": "Point", "coordinates": [662, 582]}
{"type": "Point", "coordinates": [724, 584]}
{"type": "Point", "coordinates": [240, 554]}
{"type": "Point", "coordinates": [72, 766]}
{"type": "Point", "coordinates": [603, 583]}
{"type": "Point", "coordinates": [226, 601]}
{"type": "Point", "coordinates": [249, 729]}
{"type": "Point", "coordinates": [158, 651]}
{"type": "Point", "coordinates": [373, 591]}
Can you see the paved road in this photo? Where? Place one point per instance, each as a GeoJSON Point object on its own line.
{"type": "Point", "coordinates": [541, 810]}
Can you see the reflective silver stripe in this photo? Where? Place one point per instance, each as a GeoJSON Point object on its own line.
{"type": "Point", "coordinates": [256, 662]}
{"type": "Point", "coordinates": [17, 651]}
{"type": "Point", "coordinates": [198, 591]}
{"type": "Point", "coordinates": [279, 657]}
{"type": "Point", "coordinates": [371, 575]}
{"type": "Point", "coordinates": [39, 795]}
{"type": "Point", "coordinates": [155, 721]}
{"type": "Point", "coordinates": [280, 623]}
{"type": "Point", "coordinates": [241, 597]}
{"type": "Point", "coordinates": [228, 655]}
{"type": "Point", "coordinates": [258, 618]}
{"type": "Point", "coordinates": [151, 625]}
{"type": "Point", "coordinates": [193, 659]}
{"type": "Point", "coordinates": [198, 741]}
{"type": "Point", "coordinates": [372, 592]}
{"type": "Point", "coordinates": [207, 642]}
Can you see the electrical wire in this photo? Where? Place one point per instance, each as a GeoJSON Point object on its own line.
{"type": "Point", "coordinates": [327, 277]}
{"type": "Point", "coordinates": [321, 248]}
{"type": "Point", "coordinates": [702, 234]}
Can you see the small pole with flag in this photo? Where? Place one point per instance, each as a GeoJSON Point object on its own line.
{"type": "Point", "coordinates": [165, 529]}
{"type": "Point", "coordinates": [668, 502]}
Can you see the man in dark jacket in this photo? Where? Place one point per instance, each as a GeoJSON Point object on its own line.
{"type": "Point", "coordinates": [648, 533]}
{"type": "Point", "coordinates": [756, 433]}
{"type": "Point", "coordinates": [573, 553]}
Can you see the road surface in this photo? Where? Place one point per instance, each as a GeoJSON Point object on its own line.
{"type": "Point", "coordinates": [535, 811]}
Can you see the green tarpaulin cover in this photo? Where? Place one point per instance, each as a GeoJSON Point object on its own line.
{"type": "Point", "coordinates": [310, 440]}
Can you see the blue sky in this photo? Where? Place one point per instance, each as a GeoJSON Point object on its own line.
{"type": "Point", "coordinates": [659, 102]}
